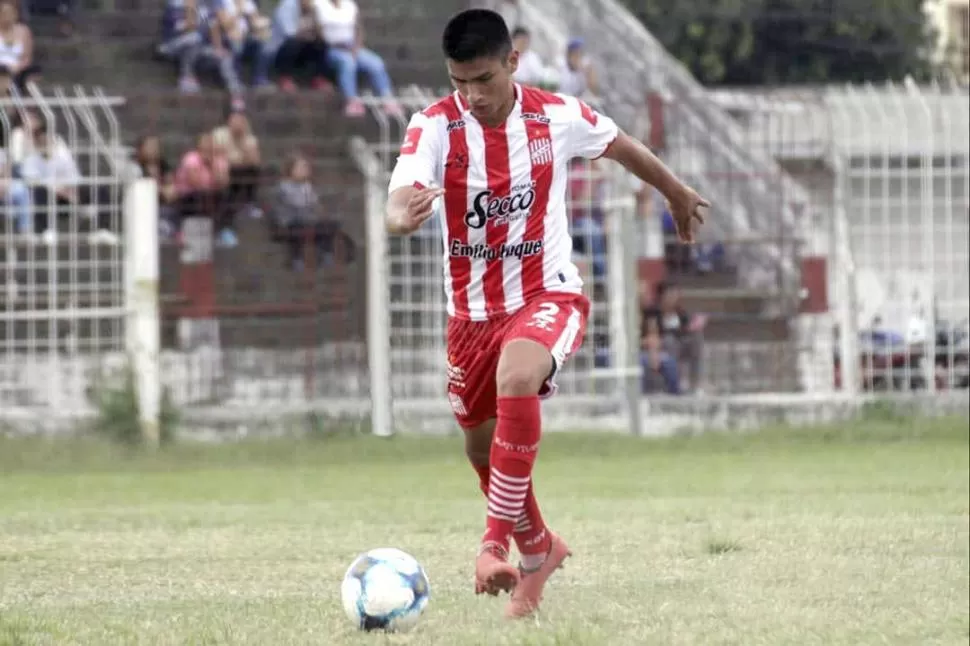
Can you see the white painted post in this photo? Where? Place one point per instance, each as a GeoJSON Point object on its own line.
{"type": "Point", "coordinates": [142, 334]}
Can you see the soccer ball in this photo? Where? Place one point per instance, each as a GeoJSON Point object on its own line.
{"type": "Point", "coordinates": [385, 589]}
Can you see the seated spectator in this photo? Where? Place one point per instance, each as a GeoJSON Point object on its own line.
{"type": "Point", "coordinates": [185, 24]}
{"type": "Point", "coordinates": [240, 29]}
{"type": "Point", "coordinates": [577, 78]}
{"type": "Point", "coordinates": [51, 172]}
{"type": "Point", "coordinates": [201, 186]}
{"type": "Point", "coordinates": [14, 198]}
{"type": "Point", "coordinates": [298, 41]}
{"type": "Point", "coordinates": [16, 49]}
{"type": "Point", "coordinates": [151, 163]}
{"type": "Point", "coordinates": [296, 218]}
{"type": "Point", "coordinates": [669, 337]}
{"type": "Point", "coordinates": [531, 70]}
{"type": "Point", "coordinates": [347, 55]}
{"type": "Point", "coordinates": [241, 146]}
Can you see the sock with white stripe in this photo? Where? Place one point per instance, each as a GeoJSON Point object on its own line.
{"type": "Point", "coordinates": [529, 531]}
{"type": "Point", "coordinates": [514, 448]}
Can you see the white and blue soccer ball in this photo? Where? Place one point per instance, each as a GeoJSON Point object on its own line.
{"type": "Point", "coordinates": [385, 589]}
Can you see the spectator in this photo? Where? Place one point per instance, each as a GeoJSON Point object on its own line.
{"type": "Point", "coordinates": [239, 28]}
{"type": "Point", "coordinates": [50, 170]}
{"type": "Point", "coordinates": [201, 185]}
{"type": "Point", "coordinates": [14, 198]}
{"type": "Point", "coordinates": [531, 70]}
{"type": "Point", "coordinates": [670, 337]}
{"type": "Point", "coordinates": [151, 163]}
{"type": "Point", "coordinates": [577, 77]}
{"type": "Point", "coordinates": [298, 40]}
{"type": "Point", "coordinates": [16, 48]}
{"type": "Point", "coordinates": [295, 211]}
{"type": "Point", "coordinates": [348, 56]}
{"type": "Point", "coordinates": [236, 138]}
{"type": "Point", "coordinates": [183, 24]}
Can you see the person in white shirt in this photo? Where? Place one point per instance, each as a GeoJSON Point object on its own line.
{"type": "Point", "coordinates": [51, 172]}
{"type": "Point", "coordinates": [531, 71]}
{"type": "Point", "coordinates": [577, 77]}
{"type": "Point", "coordinates": [339, 23]}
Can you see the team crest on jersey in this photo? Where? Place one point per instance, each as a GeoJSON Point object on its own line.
{"type": "Point", "coordinates": [540, 151]}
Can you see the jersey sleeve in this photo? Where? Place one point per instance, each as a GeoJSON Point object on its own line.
{"type": "Point", "coordinates": [418, 163]}
{"type": "Point", "coordinates": [592, 132]}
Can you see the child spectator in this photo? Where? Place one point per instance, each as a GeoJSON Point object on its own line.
{"type": "Point", "coordinates": [298, 40]}
{"type": "Point", "coordinates": [296, 217]}
{"type": "Point", "coordinates": [348, 56]}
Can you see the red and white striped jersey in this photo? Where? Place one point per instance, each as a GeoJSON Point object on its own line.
{"type": "Point", "coordinates": [504, 224]}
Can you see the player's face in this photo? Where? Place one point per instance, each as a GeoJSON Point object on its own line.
{"type": "Point", "coordinates": [486, 83]}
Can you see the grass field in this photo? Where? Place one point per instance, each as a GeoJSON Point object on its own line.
{"type": "Point", "coordinates": [787, 537]}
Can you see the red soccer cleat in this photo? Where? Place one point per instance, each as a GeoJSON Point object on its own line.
{"type": "Point", "coordinates": [493, 572]}
{"type": "Point", "coordinates": [528, 594]}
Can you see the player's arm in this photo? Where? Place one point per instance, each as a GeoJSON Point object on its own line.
{"type": "Point", "coordinates": [409, 207]}
{"type": "Point", "coordinates": [686, 206]}
{"type": "Point", "coordinates": [596, 135]}
{"type": "Point", "coordinates": [413, 186]}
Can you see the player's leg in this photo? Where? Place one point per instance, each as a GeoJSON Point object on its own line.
{"type": "Point", "coordinates": [530, 529]}
{"type": "Point", "coordinates": [537, 345]}
{"type": "Point", "coordinates": [473, 352]}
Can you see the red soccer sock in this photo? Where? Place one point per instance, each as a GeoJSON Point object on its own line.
{"type": "Point", "coordinates": [530, 532]}
{"type": "Point", "coordinates": [514, 448]}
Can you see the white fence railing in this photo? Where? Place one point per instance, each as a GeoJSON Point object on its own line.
{"type": "Point", "coordinates": [889, 220]}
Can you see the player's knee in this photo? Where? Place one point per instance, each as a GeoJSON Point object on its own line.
{"type": "Point", "coordinates": [522, 368]}
{"type": "Point", "coordinates": [518, 381]}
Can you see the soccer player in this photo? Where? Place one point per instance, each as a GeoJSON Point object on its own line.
{"type": "Point", "coordinates": [496, 154]}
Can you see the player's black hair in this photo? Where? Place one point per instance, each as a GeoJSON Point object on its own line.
{"type": "Point", "coordinates": [476, 33]}
{"type": "Point", "coordinates": [519, 31]}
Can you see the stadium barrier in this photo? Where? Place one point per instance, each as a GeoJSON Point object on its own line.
{"type": "Point", "coordinates": [248, 346]}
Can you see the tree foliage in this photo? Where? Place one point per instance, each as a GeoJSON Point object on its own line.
{"type": "Point", "coordinates": [764, 42]}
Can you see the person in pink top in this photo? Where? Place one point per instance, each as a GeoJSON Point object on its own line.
{"type": "Point", "coordinates": [202, 185]}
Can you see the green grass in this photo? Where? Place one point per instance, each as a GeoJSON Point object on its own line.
{"type": "Point", "coordinates": [826, 536]}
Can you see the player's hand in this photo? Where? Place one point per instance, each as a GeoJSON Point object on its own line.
{"type": "Point", "coordinates": [688, 210]}
{"type": "Point", "coordinates": [420, 207]}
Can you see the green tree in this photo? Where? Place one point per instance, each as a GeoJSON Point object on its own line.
{"type": "Point", "coordinates": [755, 42]}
